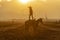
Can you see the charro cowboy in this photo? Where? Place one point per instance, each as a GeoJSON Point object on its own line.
{"type": "Point", "coordinates": [31, 13]}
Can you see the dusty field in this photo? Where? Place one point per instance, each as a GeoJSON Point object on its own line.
{"type": "Point", "coordinates": [18, 32]}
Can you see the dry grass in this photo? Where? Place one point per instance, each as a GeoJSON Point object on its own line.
{"type": "Point", "coordinates": [18, 32]}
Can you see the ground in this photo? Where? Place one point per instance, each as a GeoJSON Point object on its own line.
{"type": "Point", "coordinates": [43, 32]}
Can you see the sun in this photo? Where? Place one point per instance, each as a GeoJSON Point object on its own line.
{"type": "Point", "coordinates": [24, 1]}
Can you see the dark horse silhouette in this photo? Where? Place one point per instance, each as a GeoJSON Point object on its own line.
{"type": "Point", "coordinates": [34, 23]}
{"type": "Point", "coordinates": [30, 23]}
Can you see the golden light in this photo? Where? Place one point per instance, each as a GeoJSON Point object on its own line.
{"type": "Point", "coordinates": [9, 0]}
{"type": "Point", "coordinates": [24, 1]}
{"type": "Point", "coordinates": [44, 0]}
{"type": "Point", "coordinates": [0, 0]}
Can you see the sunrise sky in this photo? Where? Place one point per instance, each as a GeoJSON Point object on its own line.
{"type": "Point", "coordinates": [14, 9]}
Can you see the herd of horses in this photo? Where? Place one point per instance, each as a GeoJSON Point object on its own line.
{"type": "Point", "coordinates": [34, 24]}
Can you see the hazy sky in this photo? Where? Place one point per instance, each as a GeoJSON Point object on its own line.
{"type": "Point", "coordinates": [14, 9]}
